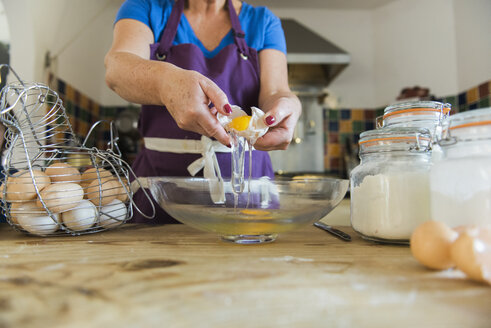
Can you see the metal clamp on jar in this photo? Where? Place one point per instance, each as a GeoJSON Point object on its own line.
{"type": "Point", "coordinates": [421, 114]}
{"type": "Point", "coordinates": [390, 187]}
{"type": "Point", "coordinates": [460, 181]}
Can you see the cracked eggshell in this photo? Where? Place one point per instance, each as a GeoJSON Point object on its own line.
{"type": "Point", "coordinates": [256, 129]}
{"type": "Point", "coordinates": [471, 253]}
{"type": "Point", "coordinates": [81, 217]}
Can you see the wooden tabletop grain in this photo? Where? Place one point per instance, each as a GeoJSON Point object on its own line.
{"type": "Point", "coordinates": [175, 276]}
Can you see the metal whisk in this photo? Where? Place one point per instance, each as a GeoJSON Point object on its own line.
{"type": "Point", "coordinates": [54, 184]}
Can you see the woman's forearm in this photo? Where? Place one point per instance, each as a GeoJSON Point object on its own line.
{"type": "Point", "coordinates": [138, 80]}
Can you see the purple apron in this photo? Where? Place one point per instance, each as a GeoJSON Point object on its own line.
{"type": "Point", "coordinates": [235, 69]}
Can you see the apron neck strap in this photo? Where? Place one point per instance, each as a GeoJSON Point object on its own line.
{"type": "Point", "coordinates": [239, 35]}
{"type": "Point", "coordinates": [170, 29]}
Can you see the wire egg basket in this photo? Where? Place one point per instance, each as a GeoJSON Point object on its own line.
{"type": "Point", "coordinates": [54, 184]}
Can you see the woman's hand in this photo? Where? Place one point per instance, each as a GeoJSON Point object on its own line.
{"type": "Point", "coordinates": [188, 100]}
{"type": "Point", "coordinates": [282, 116]}
{"type": "Point", "coordinates": [186, 94]}
{"type": "Point", "coordinates": [282, 107]}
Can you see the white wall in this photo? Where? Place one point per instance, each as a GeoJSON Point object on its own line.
{"type": "Point", "coordinates": [441, 44]}
{"type": "Point", "coordinates": [4, 26]}
{"type": "Point", "coordinates": [352, 31]}
{"type": "Point", "coordinates": [473, 42]}
{"type": "Point", "coordinates": [415, 45]}
{"type": "Point", "coordinates": [77, 33]}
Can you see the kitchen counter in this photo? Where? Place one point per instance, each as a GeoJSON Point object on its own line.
{"type": "Point", "coordinates": [174, 276]}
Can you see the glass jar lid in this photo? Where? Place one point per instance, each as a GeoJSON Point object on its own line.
{"type": "Point", "coordinates": [395, 139]}
{"type": "Point", "coordinates": [471, 125]}
{"type": "Point", "coordinates": [415, 111]}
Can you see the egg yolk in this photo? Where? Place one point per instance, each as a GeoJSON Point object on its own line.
{"type": "Point", "coordinates": [240, 123]}
{"type": "Point", "coordinates": [254, 212]}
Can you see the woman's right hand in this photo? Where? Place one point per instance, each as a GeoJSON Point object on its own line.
{"type": "Point", "coordinates": [188, 99]}
{"type": "Point", "coordinates": [186, 94]}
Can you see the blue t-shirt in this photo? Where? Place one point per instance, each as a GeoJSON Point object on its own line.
{"type": "Point", "coordinates": [262, 28]}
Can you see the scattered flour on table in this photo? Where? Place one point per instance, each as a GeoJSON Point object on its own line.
{"type": "Point", "coordinates": [286, 258]}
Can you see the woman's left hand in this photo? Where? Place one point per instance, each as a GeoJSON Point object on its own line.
{"type": "Point", "coordinates": [281, 106]}
{"type": "Point", "coordinates": [282, 114]}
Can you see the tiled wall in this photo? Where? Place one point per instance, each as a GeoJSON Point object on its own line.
{"type": "Point", "coordinates": [344, 126]}
{"type": "Point", "coordinates": [83, 112]}
{"type": "Point", "coordinates": [474, 98]}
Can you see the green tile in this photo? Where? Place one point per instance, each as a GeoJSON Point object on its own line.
{"type": "Point", "coordinates": [452, 100]}
{"type": "Point", "coordinates": [484, 102]}
{"type": "Point", "coordinates": [343, 136]}
{"type": "Point", "coordinates": [333, 115]}
{"type": "Point", "coordinates": [463, 108]}
{"type": "Point", "coordinates": [357, 126]}
{"type": "Point", "coordinates": [69, 107]}
{"type": "Point", "coordinates": [83, 115]}
{"type": "Point", "coordinates": [109, 112]}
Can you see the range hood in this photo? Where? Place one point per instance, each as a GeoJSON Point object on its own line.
{"type": "Point", "coordinates": [312, 60]}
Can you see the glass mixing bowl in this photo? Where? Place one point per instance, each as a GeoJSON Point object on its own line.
{"type": "Point", "coordinates": [264, 209]}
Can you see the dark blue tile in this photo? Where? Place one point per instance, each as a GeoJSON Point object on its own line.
{"type": "Point", "coordinates": [473, 106]}
{"type": "Point", "coordinates": [76, 111]}
{"type": "Point", "coordinates": [369, 125]}
{"type": "Point", "coordinates": [345, 114]}
{"type": "Point", "coordinates": [61, 86]}
{"type": "Point", "coordinates": [462, 98]}
{"type": "Point", "coordinates": [333, 126]}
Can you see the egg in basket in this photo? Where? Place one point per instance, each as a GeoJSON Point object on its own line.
{"type": "Point", "coordinates": [53, 184]}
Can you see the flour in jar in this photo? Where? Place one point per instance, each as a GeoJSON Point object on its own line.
{"type": "Point", "coordinates": [390, 205]}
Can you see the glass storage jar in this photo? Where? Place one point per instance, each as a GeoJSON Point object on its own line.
{"type": "Point", "coordinates": [460, 182]}
{"type": "Point", "coordinates": [390, 186]}
{"type": "Point", "coordinates": [431, 115]}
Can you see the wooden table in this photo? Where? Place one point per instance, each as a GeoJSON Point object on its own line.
{"type": "Point", "coordinates": [174, 276]}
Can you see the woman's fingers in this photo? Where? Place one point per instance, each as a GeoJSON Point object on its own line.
{"type": "Point", "coordinates": [216, 96]}
{"type": "Point", "coordinates": [281, 119]}
{"type": "Point", "coordinates": [215, 130]}
{"type": "Point", "coordinates": [275, 139]}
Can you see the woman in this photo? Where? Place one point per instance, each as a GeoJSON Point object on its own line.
{"type": "Point", "coordinates": [199, 62]}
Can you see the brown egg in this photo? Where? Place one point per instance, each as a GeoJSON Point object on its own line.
{"type": "Point", "coordinates": [471, 253]}
{"type": "Point", "coordinates": [63, 172]}
{"type": "Point", "coordinates": [20, 186]}
{"type": "Point", "coordinates": [430, 244]}
{"type": "Point", "coordinates": [60, 197]}
{"type": "Point", "coordinates": [103, 193]}
{"type": "Point", "coordinates": [91, 174]}
{"type": "Point", "coordinates": [122, 194]}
